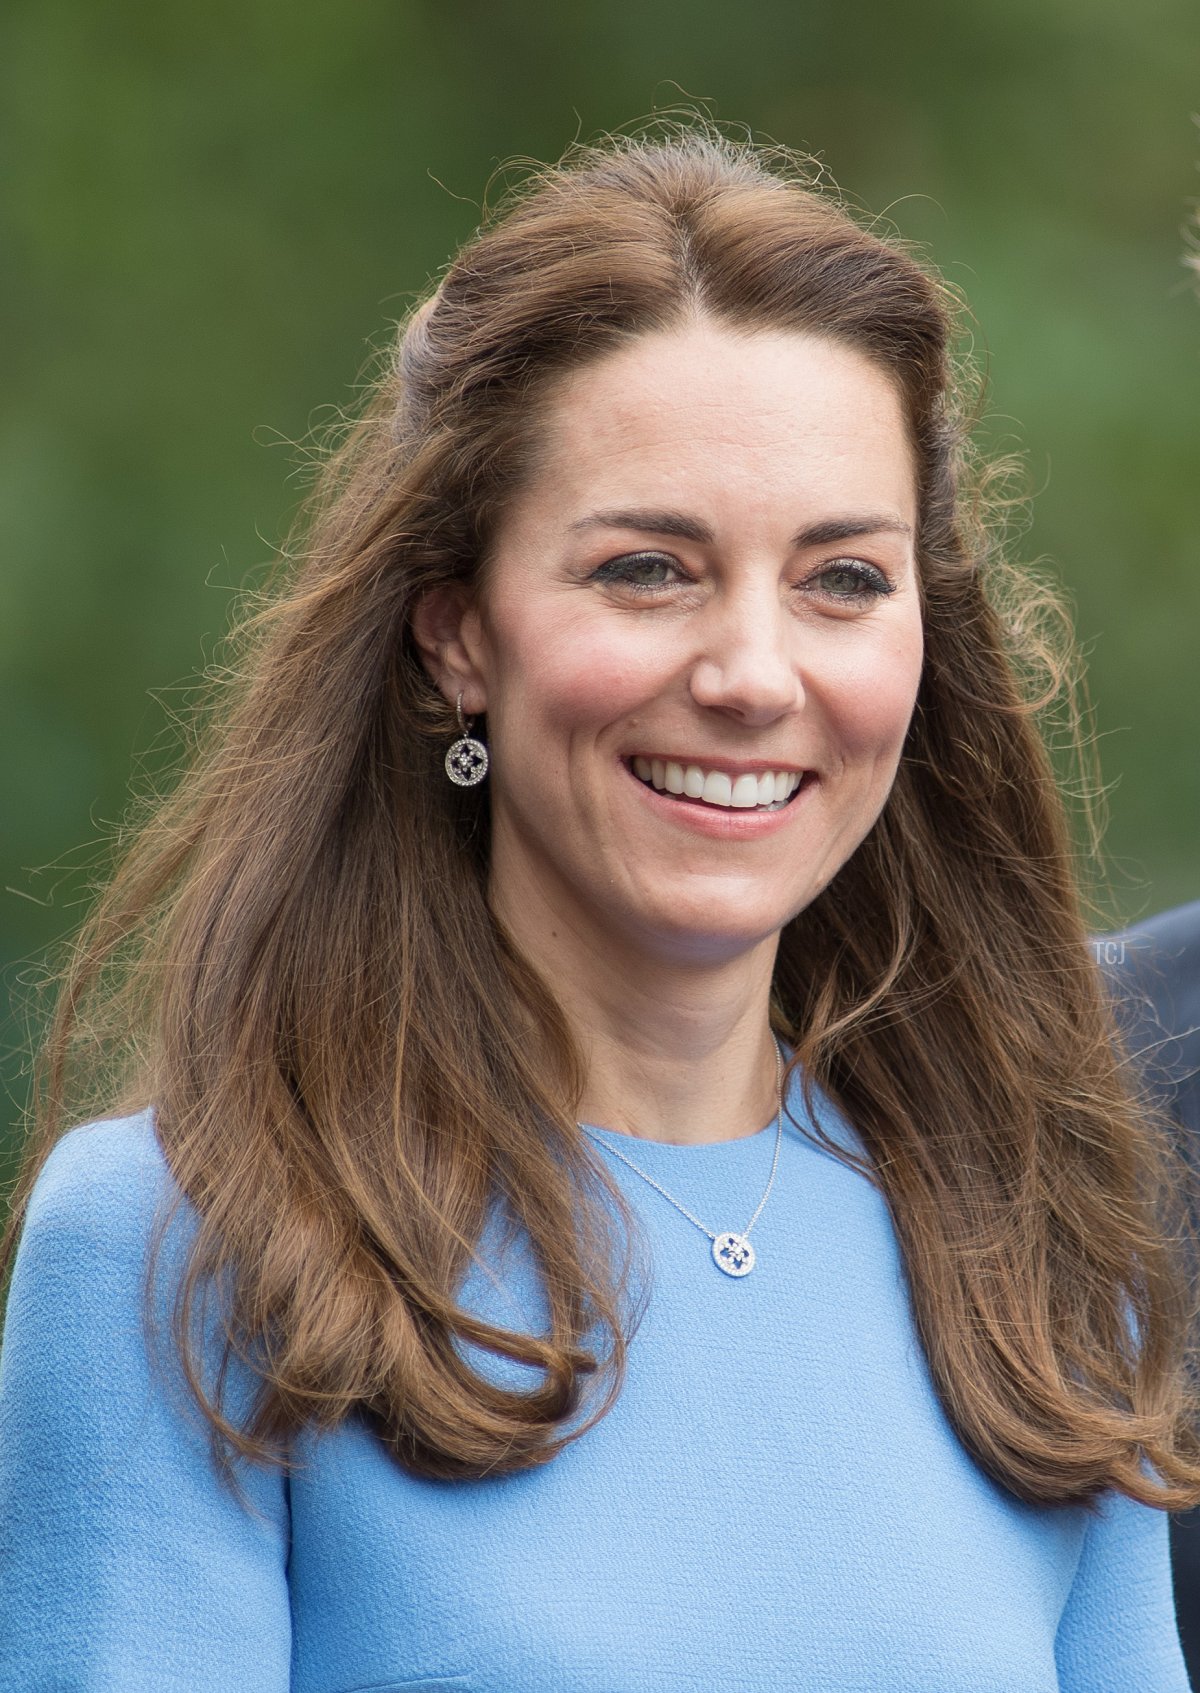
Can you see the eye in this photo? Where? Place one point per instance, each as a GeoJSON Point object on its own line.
{"type": "Point", "coordinates": [851, 580]}
{"type": "Point", "coordinates": [645, 573]}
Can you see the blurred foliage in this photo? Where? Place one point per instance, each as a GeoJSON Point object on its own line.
{"type": "Point", "coordinates": [212, 214]}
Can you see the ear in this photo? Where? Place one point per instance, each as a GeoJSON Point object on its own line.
{"type": "Point", "coordinates": [449, 637]}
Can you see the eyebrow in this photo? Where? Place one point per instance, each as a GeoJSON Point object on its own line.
{"type": "Point", "coordinates": [684, 528]}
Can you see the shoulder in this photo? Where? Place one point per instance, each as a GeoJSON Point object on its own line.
{"type": "Point", "coordinates": [89, 1347]}
{"type": "Point", "coordinates": [86, 1234]}
{"type": "Point", "coordinates": [117, 1532]}
{"type": "Point", "coordinates": [101, 1167]}
{"type": "Point", "coordinates": [1161, 957]}
{"type": "Point", "coordinates": [1165, 950]}
{"type": "Point", "coordinates": [1154, 973]}
{"type": "Point", "coordinates": [1176, 929]}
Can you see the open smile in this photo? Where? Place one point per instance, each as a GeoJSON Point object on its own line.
{"type": "Point", "coordinates": [725, 790]}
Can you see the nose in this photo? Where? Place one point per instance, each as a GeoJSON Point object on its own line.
{"type": "Point", "coordinates": [749, 665]}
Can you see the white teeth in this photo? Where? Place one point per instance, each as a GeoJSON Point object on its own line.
{"type": "Point", "coordinates": [718, 789]}
{"type": "Point", "coordinates": [745, 793]}
{"type": "Point", "coordinates": [740, 793]}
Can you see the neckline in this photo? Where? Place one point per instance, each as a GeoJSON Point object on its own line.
{"type": "Point", "coordinates": [791, 1084]}
{"type": "Point", "coordinates": [619, 1139]}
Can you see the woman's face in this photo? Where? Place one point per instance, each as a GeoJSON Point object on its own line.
{"type": "Point", "coordinates": [698, 641]}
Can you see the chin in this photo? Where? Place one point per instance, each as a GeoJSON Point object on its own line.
{"type": "Point", "coordinates": [708, 930]}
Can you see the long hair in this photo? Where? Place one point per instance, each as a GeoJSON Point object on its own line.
{"type": "Point", "coordinates": [351, 1063]}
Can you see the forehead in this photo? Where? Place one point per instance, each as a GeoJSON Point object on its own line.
{"type": "Point", "coordinates": [727, 417]}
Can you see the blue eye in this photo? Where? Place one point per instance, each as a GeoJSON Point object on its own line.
{"type": "Point", "coordinates": [636, 571]}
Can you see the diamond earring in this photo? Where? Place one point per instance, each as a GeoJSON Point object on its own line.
{"type": "Point", "coordinates": [467, 760]}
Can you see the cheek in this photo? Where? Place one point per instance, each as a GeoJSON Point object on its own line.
{"type": "Point", "coordinates": [572, 677]}
{"type": "Point", "coordinates": [872, 702]}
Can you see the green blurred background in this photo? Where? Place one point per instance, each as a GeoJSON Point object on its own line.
{"type": "Point", "coordinates": [211, 215]}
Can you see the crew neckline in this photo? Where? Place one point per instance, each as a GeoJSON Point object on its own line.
{"type": "Point", "coordinates": [681, 1147]}
{"type": "Point", "coordinates": [619, 1138]}
{"type": "Point", "coordinates": [792, 1086]}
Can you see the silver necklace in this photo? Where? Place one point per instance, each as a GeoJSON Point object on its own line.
{"type": "Point", "coordinates": [731, 1252]}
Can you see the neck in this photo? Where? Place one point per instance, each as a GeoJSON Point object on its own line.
{"type": "Point", "coordinates": [675, 1051]}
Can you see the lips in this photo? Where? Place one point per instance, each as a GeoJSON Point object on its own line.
{"type": "Point", "coordinates": [768, 790]}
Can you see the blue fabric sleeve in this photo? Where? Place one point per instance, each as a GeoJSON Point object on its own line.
{"type": "Point", "coordinates": [125, 1563]}
{"type": "Point", "coordinates": [1118, 1630]}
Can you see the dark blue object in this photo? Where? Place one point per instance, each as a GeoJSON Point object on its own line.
{"type": "Point", "coordinates": [1156, 967]}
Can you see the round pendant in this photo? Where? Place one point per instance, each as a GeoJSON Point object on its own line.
{"type": "Point", "coordinates": [734, 1254]}
{"type": "Point", "coordinates": [467, 762]}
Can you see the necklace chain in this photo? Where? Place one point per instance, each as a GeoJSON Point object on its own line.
{"type": "Point", "coordinates": [731, 1251]}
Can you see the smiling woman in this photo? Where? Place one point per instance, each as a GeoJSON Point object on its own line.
{"type": "Point", "coordinates": [413, 1074]}
{"type": "Point", "coordinates": [724, 638]}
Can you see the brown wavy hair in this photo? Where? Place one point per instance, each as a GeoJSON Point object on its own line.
{"type": "Point", "coordinates": [349, 1059]}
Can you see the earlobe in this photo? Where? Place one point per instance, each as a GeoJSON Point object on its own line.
{"type": "Point", "coordinates": [445, 627]}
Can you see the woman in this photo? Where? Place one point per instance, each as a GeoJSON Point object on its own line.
{"type": "Point", "coordinates": [609, 1059]}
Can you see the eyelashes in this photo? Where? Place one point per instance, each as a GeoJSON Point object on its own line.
{"type": "Point", "coordinates": [623, 570]}
{"type": "Point", "coordinates": [862, 582]}
{"type": "Point", "coordinates": [867, 580]}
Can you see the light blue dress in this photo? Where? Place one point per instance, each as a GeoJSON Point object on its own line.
{"type": "Point", "coordinates": [776, 1502]}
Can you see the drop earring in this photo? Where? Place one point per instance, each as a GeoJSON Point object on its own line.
{"type": "Point", "coordinates": [467, 760]}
